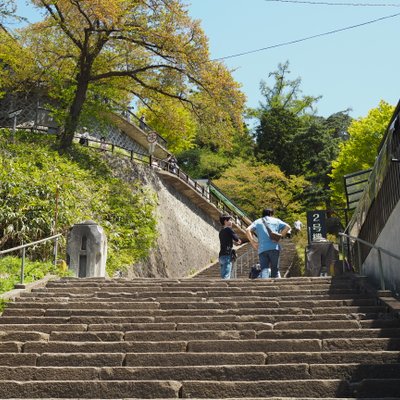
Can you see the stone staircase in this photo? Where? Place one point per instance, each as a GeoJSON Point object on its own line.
{"type": "Point", "coordinates": [296, 338]}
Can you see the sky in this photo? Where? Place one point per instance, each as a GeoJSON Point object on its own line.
{"type": "Point", "coordinates": [354, 68]}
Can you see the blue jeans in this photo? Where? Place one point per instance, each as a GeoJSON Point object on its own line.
{"type": "Point", "coordinates": [269, 259]}
{"type": "Point", "coordinates": [225, 263]}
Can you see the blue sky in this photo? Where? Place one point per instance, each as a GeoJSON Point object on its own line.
{"type": "Point", "coordinates": [354, 69]}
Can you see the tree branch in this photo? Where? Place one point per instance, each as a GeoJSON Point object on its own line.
{"type": "Point", "coordinates": [60, 17]}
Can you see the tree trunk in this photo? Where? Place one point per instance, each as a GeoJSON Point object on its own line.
{"type": "Point", "coordinates": [72, 119]}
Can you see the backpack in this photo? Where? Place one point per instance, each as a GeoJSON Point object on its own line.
{"type": "Point", "coordinates": [255, 272]}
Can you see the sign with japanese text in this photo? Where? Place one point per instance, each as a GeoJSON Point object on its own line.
{"type": "Point", "coordinates": [316, 225]}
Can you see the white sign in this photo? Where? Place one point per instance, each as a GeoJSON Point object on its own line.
{"type": "Point", "coordinates": [152, 137]}
{"type": "Point", "coordinates": [14, 113]}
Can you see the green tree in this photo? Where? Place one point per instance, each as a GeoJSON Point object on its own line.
{"type": "Point", "coordinates": [316, 147]}
{"type": "Point", "coordinates": [360, 150]}
{"type": "Point", "coordinates": [203, 163]}
{"type": "Point", "coordinates": [286, 94]}
{"type": "Point", "coordinates": [282, 120]}
{"type": "Point", "coordinates": [124, 50]}
{"type": "Point", "coordinates": [255, 186]}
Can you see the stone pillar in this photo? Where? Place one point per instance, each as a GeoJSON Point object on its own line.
{"type": "Point", "coordinates": [87, 250]}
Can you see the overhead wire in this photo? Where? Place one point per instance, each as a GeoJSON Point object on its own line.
{"type": "Point", "coordinates": [328, 3]}
{"type": "Point", "coordinates": [305, 38]}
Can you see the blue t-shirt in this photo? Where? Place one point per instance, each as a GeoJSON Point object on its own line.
{"type": "Point", "coordinates": [264, 241]}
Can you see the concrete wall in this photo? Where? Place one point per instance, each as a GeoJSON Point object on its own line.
{"type": "Point", "coordinates": [187, 237]}
{"type": "Point", "coordinates": [389, 239]}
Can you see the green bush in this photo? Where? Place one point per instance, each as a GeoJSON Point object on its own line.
{"type": "Point", "coordinates": [10, 271]}
{"type": "Point", "coordinates": [41, 189]}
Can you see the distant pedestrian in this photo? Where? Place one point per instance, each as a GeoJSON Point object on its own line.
{"type": "Point", "coordinates": [142, 123]}
{"type": "Point", "coordinates": [84, 141]}
{"type": "Point", "coordinates": [226, 239]}
{"type": "Point", "coordinates": [268, 249]}
{"type": "Point", "coordinates": [172, 164]}
{"type": "Point", "coordinates": [103, 144]}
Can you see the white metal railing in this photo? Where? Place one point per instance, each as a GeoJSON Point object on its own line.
{"type": "Point", "coordinates": [245, 260]}
{"type": "Point", "coordinates": [359, 262]}
{"type": "Point", "coordinates": [23, 247]}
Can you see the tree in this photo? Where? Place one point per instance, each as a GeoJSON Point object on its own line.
{"type": "Point", "coordinates": [360, 150]}
{"type": "Point", "coordinates": [124, 49]}
{"type": "Point", "coordinates": [7, 10]}
{"type": "Point", "coordinates": [286, 94]}
{"type": "Point", "coordinates": [254, 186]}
{"type": "Point", "coordinates": [316, 147]}
{"type": "Point", "coordinates": [282, 120]}
{"type": "Point", "coordinates": [174, 122]}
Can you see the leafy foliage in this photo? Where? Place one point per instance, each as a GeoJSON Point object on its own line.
{"type": "Point", "coordinates": [10, 269]}
{"type": "Point", "coordinates": [35, 181]}
{"type": "Point", "coordinates": [257, 186]}
{"type": "Point", "coordinates": [359, 151]}
{"type": "Point", "coordinates": [128, 50]}
{"type": "Point", "coordinates": [203, 163]}
{"type": "Point", "coordinates": [291, 136]}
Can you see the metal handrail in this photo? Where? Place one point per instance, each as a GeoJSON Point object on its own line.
{"type": "Point", "coordinates": [125, 112]}
{"type": "Point", "coordinates": [250, 257]}
{"type": "Point", "coordinates": [373, 246]}
{"type": "Point", "coordinates": [173, 168]}
{"type": "Point", "coordinates": [24, 246]}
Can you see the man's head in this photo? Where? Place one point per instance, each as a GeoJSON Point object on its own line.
{"type": "Point", "coordinates": [224, 218]}
{"type": "Point", "coordinates": [267, 212]}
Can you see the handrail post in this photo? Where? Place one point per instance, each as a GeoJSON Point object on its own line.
{"type": "Point", "coordinates": [22, 266]}
{"type": "Point", "coordinates": [359, 258]}
{"type": "Point", "coordinates": [381, 270]}
{"type": "Point", "coordinates": [55, 251]}
{"type": "Point", "coordinates": [343, 255]}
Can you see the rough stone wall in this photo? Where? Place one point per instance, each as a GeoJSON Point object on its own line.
{"type": "Point", "coordinates": [187, 237]}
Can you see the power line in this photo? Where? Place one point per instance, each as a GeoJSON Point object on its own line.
{"type": "Point", "coordinates": [327, 3]}
{"type": "Point", "coordinates": [306, 38]}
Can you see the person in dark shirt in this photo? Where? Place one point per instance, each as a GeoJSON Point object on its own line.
{"type": "Point", "coordinates": [226, 239]}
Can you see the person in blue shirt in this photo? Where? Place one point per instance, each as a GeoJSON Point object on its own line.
{"type": "Point", "coordinates": [226, 239]}
{"type": "Point", "coordinates": [268, 250]}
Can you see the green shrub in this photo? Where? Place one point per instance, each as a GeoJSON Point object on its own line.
{"type": "Point", "coordinates": [10, 270]}
{"type": "Point", "coordinates": [41, 189]}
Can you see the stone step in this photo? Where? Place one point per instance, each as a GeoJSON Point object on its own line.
{"type": "Point", "coordinates": [336, 357]}
{"type": "Point", "coordinates": [180, 373]}
{"type": "Point", "coordinates": [199, 346]}
{"type": "Point", "coordinates": [189, 389]}
{"type": "Point", "coordinates": [127, 302]}
{"type": "Point", "coordinates": [218, 335]}
{"type": "Point", "coordinates": [301, 320]}
{"type": "Point", "coordinates": [247, 398]}
{"type": "Point", "coordinates": [33, 302]}
{"type": "Point", "coordinates": [130, 359]}
{"type": "Point", "coordinates": [192, 359]}
{"type": "Point", "coordinates": [380, 388]}
{"type": "Point", "coordinates": [150, 335]}
{"type": "Point", "coordinates": [101, 282]}
{"type": "Point", "coordinates": [284, 372]}
{"type": "Point", "coordinates": [163, 335]}
{"type": "Point", "coordinates": [206, 310]}
{"type": "Point", "coordinates": [89, 389]}
{"type": "Point", "coordinates": [216, 292]}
